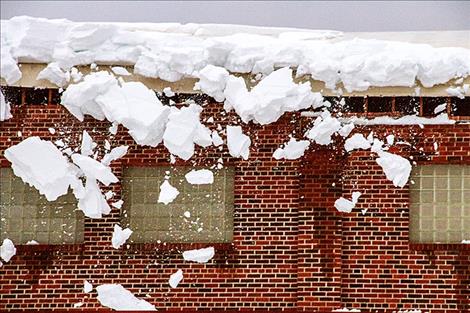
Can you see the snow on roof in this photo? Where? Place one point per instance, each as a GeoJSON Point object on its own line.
{"type": "Point", "coordinates": [174, 52]}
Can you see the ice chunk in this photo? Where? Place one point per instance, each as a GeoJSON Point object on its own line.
{"type": "Point", "coordinates": [216, 139]}
{"type": "Point", "coordinates": [212, 80]}
{"type": "Point", "coordinates": [237, 142]}
{"type": "Point", "coordinates": [118, 204]}
{"type": "Point", "coordinates": [324, 127]}
{"type": "Point", "coordinates": [114, 154]}
{"type": "Point", "coordinates": [356, 141]}
{"type": "Point", "coordinates": [168, 193]}
{"type": "Point", "coordinates": [200, 177]}
{"type": "Point", "coordinates": [175, 278]}
{"type": "Point", "coordinates": [346, 130]}
{"type": "Point", "coordinates": [396, 168]}
{"type": "Point", "coordinates": [87, 287]}
{"type": "Point", "coordinates": [116, 297]}
{"type": "Point", "coordinates": [5, 110]}
{"type": "Point", "coordinates": [199, 255]}
{"type": "Point", "coordinates": [345, 205]}
{"type": "Point", "coordinates": [440, 108]}
{"type": "Point", "coordinates": [87, 144]}
{"type": "Point", "coordinates": [7, 250]}
{"type": "Point", "coordinates": [119, 70]}
{"type": "Point", "coordinates": [94, 169]}
{"type": "Point", "coordinates": [120, 236]}
{"type": "Point", "coordinates": [92, 202]}
{"type": "Point", "coordinates": [40, 164]}
{"type": "Point", "coordinates": [293, 150]}
{"type": "Point", "coordinates": [168, 92]}
{"type": "Point", "coordinates": [53, 73]}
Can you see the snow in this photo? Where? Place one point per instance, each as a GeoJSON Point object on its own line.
{"type": "Point", "coordinates": [87, 287]}
{"type": "Point", "coordinates": [32, 242]}
{"type": "Point", "coordinates": [199, 255]}
{"type": "Point", "coordinates": [118, 204]}
{"type": "Point", "coordinates": [465, 241]}
{"type": "Point", "coordinates": [441, 119]}
{"type": "Point", "coordinates": [114, 154]}
{"type": "Point", "coordinates": [356, 141]}
{"type": "Point", "coordinates": [87, 144]}
{"type": "Point", "coordinates": [200, 177]}
{"type": "Point", "coordinates": [174, 51]}
{"type": "Point", "coordinates": [212, 81]}
{"type": "Point", "coordinates": [116, 297]}
{"type": "Point", "coordinates": [92, 201]}
{"type": "Point", "coordinates": [94, 169]}
{"type": "Point", "coordinates": [216, 139]}
{"type": "Point", "coordinates": [120, 236]}
{"type": "Point", "coordinates": [440, 108]}
{"type": "Point", "coordinates": [40, 164]}
{"type": "Point", "coordinates": [175, 278]}
{"type": "Point", "coordinates": [168, 92]}
{"type": "Point", "coordinates": [396, 168]}
{"type": "Point", "coordinates": [346, 310]}
{"type": "Point", "coordinates": [53, 73]}
{"type": "Point", "coordinates": [119, 70]}
{"type": "Point", "coordinates": [4, 108]}
{"type": "Point", "coordinates": [324, 127]}
{"type": "Point", "coordinates": [7, 250]}
{"type": "Point", "coordinates": [292, 150]}
{"type": "Point", "coordinates": [345, 205]}
{"type": "Point", "coordinates": [458, 91]}
{"type": "Point", "coordinates": [237, 142]}
{"type": "Point", "coordinates": [168, 193]}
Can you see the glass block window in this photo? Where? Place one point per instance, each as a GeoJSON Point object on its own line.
{"type": "Point", "coordinates": [200, 213]}
{"type": "Point", "coordinates": [26, 215]}
{"type": "Point", "coordinates": [440, 204]}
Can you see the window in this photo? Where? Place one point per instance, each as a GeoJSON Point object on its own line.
{"type": "Point", "coordinates": [460, 107]}
{"type": "Point", "coordinates": [440, 204]}
{"type": "Point", "coordinates": [210, 206]}
{"type": "Point", "coordinates": [26, 215]}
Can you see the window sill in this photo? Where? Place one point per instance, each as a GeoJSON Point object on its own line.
{"type": "Point", "coordinates": [25, 249]}
{"type": "Point", "coordinates": [439, 246]}
{"type": "Point", "coordinates": [184, 246]}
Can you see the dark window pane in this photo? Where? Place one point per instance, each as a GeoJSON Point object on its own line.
{"type": "Point", "coordinates": [354, 104]}
{"type": "Point", "coordinates": [379, 104]}
{"type": "Point", "coordinates": [12, 95]}
{"type": "Point", "coordinates": [430, 103]}
{"type": "Point", "coordinates": [36, 96]}
{"type": "Point", "coordinates": [407, 105]}
{"type": "Point", "coordinates": [460, 107]}
{"type": "Point", "coordinates": [55, 96]}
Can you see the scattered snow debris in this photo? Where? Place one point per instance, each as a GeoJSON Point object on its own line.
{"type": "Point", "coordinates": [210, 120]}
{"type": "Point", "coordinates": [109, 194]}
{"type": "Point", "coordinates": [356, 141]}
{"type": "Point", "coordinates": [118, 204]}
{"type": "Point", "coordinates": [116, 297]}
{"type": "Point", "coordinates": [59, 143]}
{"type": "Point", "coordinates": [199, 255]}
{"type": "Point", "coordinates": [390, 139]}
{"type": "Point", "coordinates": [346, 130]}
{"type": "Point", "coordinates": [397, 169]}
{"type": "Point", "coordinates": [270, 98]}
{"type": "Point", "coordinates": [40, 164]}
{"type": "Point", "coordinates": [4, 108]}
{"type": "Point", "coordinates": [237, 142]}
{"type": "Point", "coordinates": [458, 92]}
{"type": "Point", "coordinates": [440, 108]}
{"type": "Point", "coordinates": [292, 150]}
{"type": "Point", "coordinates": [212, 81]}
{"type": "Point", "coordinates": [466, 241]}
{"type": "Point", "coordinates": [51, 130]}
{"type": "Point", "coordinates": [114, 128]}
{"type": "Point", "coordinates": [175, 279]}
{"type": "Point", "coordinates": [114, 154]}
{"type": "Point", "coordinates": [87, 144]}
{"type": "Point", "coordinates": [364, 211]}
{"type": "Point", "coordinates": [441, 119]}
{"type": "Point", "coordinates": [168, 92]}
{"type": "Point", "coordinates": [200, 177]}
{"type": "Point", "coordinates": [216, 139]}
{"type": "Point", "coordinates": [53, 73]}
{"type": "Point", "coordinates": [32, 242]}
{"type": "Point", "coordinates": [119, 70]}
{"type": "Point", "coordinates": [345, 205]}
{"type": "Point", "coordinates": [184, 129]}
{"type": "Point", "coordinates": [436, 146]}
{"type": "Point", "coordinates": [187, 214]}
{"type": "Point", "coordinates": [7, 250]}
{"type": "Point", "coordinates": [107, 145]}
{"type": "Point", "coordinates": [87, 287]}
{"type": "Point", "coordinates": [323, 128]}
{"type": "Point", "coordinates": [91, 201]}
{"type": "Point", "coordinates": [168, 193]}
{"type": "Point", "coordinates": [346, 310]}
{"type": "Point", "coordinates": [78, 304]}
{"type": "Point", "coordinates": [94, 169]}
{"type": "Point", "coordinates": [120, 236]}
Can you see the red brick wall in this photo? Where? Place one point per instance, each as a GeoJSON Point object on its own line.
{"type": "Point", "coordinates": [292, 250]}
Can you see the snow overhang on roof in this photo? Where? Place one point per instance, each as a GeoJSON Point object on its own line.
{"type": "Point", "coordinates": [171, 55]}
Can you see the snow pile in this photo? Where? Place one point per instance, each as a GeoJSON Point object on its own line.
{"type": "Point", "coordinates": [396, 168]}
{"type": "Point", "coordinates": [4, 108]}
{"type": "Point", "coordinates": [40, 164]}
{"type": "Point", "coordinates": [184, 129]}
{"type": "Point", "coordinates": [87, 287]}
{"type": "Point", "coordinates": [356, 141]}
{"type": "Point", "coordinates": [324, 127]}
{"type": "Point", "coordinates": [175, 278]}
{"type": "Point", "coordinates": [292, 150]}
{"type": "Point", "coordinates": [120, 236]}
{"type": "Point", "coordinates": [168, 193]}
{"type": "Point", "coordinates": [7, 250]}
{"type": "Point", "coordinates": [199, 255]}
{"type": "Point", "coordinates": [199, 177]}
{"type": "Point", "coordinates": [345, 205]}
{"type": "Point", "coordinates": [237, 142]}
{"type": "Point", "coordinates": [118, 298]}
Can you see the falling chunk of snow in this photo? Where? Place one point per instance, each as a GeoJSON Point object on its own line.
{"type": "Point", "coordinates": [168, 193]}
{"type": "Point", "coordinates": [346, 310]}
{"type": "Point", "coordinates": [53, 73]}
{"type": "Point", "coordinates": [324, 127]}
{"type": "Point", "coordinates": [120, 236]}
{"type": "Point", "coordinates": [78, 304]}
{"type": "Point", "coordinates": [345, 205]}
{"type": "Point", "coordinates": [87, 287]}
{"type": "Point", "coordinates": [390, 139]}
{"type": "Point", "coordinates": [32, 242]}
{"type": "Point", "coordinates": [377, 145]}
{"type": "Point", "coordinates": [200, 177]}
{"type": "Point", "coordinates": [212, 81]}
{"type": "Point", "coordinates": [87, 145]}
{"type": "Point", "coordinates": [7, 250]}
{"type": "Point", "coordinates": [114, 128]}
{"type": "Point", "coordinates": [59, 143]}
{"type": "Point", "coordinates": [356, 141]}
{"type": "Point", "coordinates": [440, 108]}
{"type": "Point", "coordinates": [292, 150]}
{"type": "Point", "coordinates": [51, 130]}
{"type": "Point", "coordinates": [199, 255]}
{"type": "Point", "coordinates": [119, 70]}
{"type": "Point", "coordinates": [175, 278]}
{"type": "Point", "coordinates": [94, 169]}
{"type": "Point", "coordinates": [216, 139]}
{"type": "Point", "coordinates": [187, 214]}
{"type": "Point", "coordinates": [118, 204]}
{"type": "Point", "coordinates": [9, 70]}
{"type": "Point", "coordinates": [346, 130]}
{"type": "Point", "coordinates": [237, 142]}
{"type": "Point", "coordinates": [168, 92]}
{"type": "Point", "coordinates": [109, 194]}
{"type": "Point", "coordinates": [396, 168]}
{"type": "Point", "coordinates": [184, 129]}
{"type": "Point", "coordinates": [4, 108]}
{"type": "Point", "coordinates": [210, 120]}
{"type": "Point", "coordinates": [116, 297]}
{"type": "Point", "coordinates": [114, 154]}
{"type": "Point", "coordinates": [92, 202]}
{"type": "Point", "coordinates": [458, 92]}
{"type": "Point", "coordinates": [466, 241]}
{"type": "Point", "coordinates": [40, 164]}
